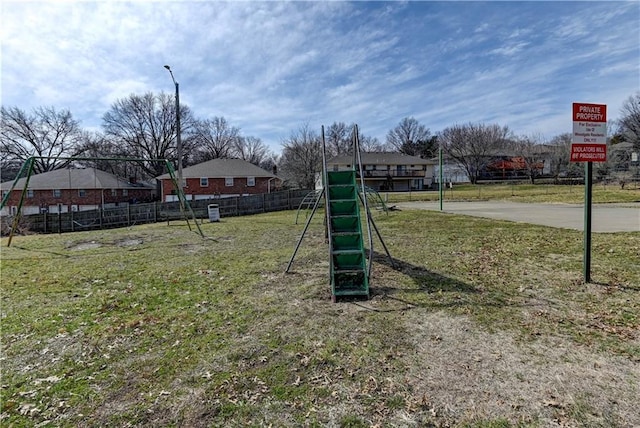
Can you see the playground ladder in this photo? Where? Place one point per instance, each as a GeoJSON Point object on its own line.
{"type": "Point", "coordinates": [349, 276]}
{"type": "Point", "coordinates": [349, 268]}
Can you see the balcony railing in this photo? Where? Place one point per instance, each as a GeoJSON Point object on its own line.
{"type": "Point", "coordinates": [394, 173]}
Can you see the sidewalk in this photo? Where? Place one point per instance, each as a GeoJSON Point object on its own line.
{"type": "Point", "coordinates": [605, 217]}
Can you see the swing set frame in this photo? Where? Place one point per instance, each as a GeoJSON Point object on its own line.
{"type": "Point", "coordinates": [27, 171]}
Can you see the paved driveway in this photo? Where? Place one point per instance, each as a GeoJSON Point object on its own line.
{"type": "Point", "coordinates": [605, 217]}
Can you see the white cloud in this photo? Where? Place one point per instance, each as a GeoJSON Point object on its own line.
{"type": "Point", "coordinates": [269, 67]}
{"type": "Point", "coordinates": [509, 50]}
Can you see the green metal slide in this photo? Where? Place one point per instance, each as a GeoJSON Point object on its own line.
{"type": "Point", "coordinates": [349, 268]}
{"type": "Point", "coordinates": [349, 276]}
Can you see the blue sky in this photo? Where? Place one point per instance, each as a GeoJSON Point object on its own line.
{"type": "Point", "coordinates": [271, 67]}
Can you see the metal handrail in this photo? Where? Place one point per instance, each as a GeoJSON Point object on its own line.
{"type": "Point", "coordinates": [408, 173]}
{"type": "Point", "coordinates": [327, 207]}
{"type": "Point", "coordinates": [358, 158]}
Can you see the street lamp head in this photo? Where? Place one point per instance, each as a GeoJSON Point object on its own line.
{"type": "Point", "coordinates": [172, 78]}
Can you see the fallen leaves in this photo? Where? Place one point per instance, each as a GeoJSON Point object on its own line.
{"type": "Point", "coordinates": [241, 389]}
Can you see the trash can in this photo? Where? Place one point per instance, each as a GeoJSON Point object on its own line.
{"type": "Point", "coordinates": [214, 213]}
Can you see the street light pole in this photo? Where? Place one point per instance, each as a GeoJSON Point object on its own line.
{"type": "Point", "coordinates": [440, 167]}
{"type": "Point", "coordinates": [178, 137]}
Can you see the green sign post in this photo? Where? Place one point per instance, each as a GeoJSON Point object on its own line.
{"type": "Point", "coordinates": [588, 185]}
{"type": "Point", "coordinates": [588, 144]}
{"type": "Point", "coordinates": [441, 175]}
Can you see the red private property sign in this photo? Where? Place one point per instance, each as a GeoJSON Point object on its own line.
{"type": "Point", "coordinates": [589, 141]}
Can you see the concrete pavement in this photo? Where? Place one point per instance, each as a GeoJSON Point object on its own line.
{"type": "Point", "coordinates": [605, 217]}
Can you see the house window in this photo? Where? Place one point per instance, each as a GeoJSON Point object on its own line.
{"type": "Point", "coordinates": [204, 182]}
{"type": "Point", "coordinates": [251, 181]}
{"type": "Point", "coordinates": [125, 192]}
{"type": "Point", "coordinates": [114, 192]}
{"type": "Point", "coordinates": [57, 193]}
{"type": "Point", "coordinates": [82, 193]}
{"type": "Point", "coordinates": [4, 193]}
{"type": "Point", "coordinates": [228, 181]}
{"type": "Point", "coordinates": [30, 193]}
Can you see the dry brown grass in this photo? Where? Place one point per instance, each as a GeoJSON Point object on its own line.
{"type": "Point", "coordinates": [469, 329]}
{"type": "Point", "coordinates": [472, 374]}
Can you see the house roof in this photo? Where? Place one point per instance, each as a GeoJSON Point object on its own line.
{"type": "Point", "coordinates": [221, 168]}
{"type": "Point", "coordinates": [77, 178]}
{"type": "Point", "coordinates": [381, 158]}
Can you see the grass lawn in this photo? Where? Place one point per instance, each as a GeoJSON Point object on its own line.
{"type": "Point", "coordinates": [481, 323]}
{"type": "Point", "coordinates": [542, 193]}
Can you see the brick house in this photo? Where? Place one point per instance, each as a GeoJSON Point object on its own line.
{"type": "Point", "coordinates": [384, 171]}
{"type": "Point", "coordinates": [66, 190]}
{"type": "Point", "coordinates": [220, 178]}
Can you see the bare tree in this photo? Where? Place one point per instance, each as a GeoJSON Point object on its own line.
{"type": "Point", "coordinates": [338, 138]}
{"type": "Point", "coordinates": [301, 158]}
{"type": "Point", "coordinates": [145, 127]}
{"type": "Point", "coordinates": [630, 120]}
{"type": "Point", "coordinates": [474, 145]}
{"type": "Point", "coordinates": [107, 154]}
{"type": "Point", "coordinates": [371, 144]}
{"type": "Point", "coordinates": [9, 168]}
{"type": "Point", "coordinates": [619, 157]}
{"type": "Point", "coordinates": [97, 145]}
{"type": "Point", "coordinates": [270, 163]}
{"type": "Point", "coordinates": [44, 133]}
{"type": "Point", "coordinates": [215, 138]}
{"type": "Point", "coordinates": [251, 149]}
{"type": "Point", "coordinates": [560, 161]}
{"type": "Point", "coordinates": [412, 138]}
{"type": "Point", "coordinates": [529, 149]}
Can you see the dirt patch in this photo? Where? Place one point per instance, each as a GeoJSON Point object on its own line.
{"type": "Point", "coordinates": [129, 242]}
{"type": "Point", "coordinates": [471, 374]}
{"type": "Point", "coordinates": [86, 245]}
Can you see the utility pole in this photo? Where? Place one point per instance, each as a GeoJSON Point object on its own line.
{"type": "Point", "coordinates": [178, 137]}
